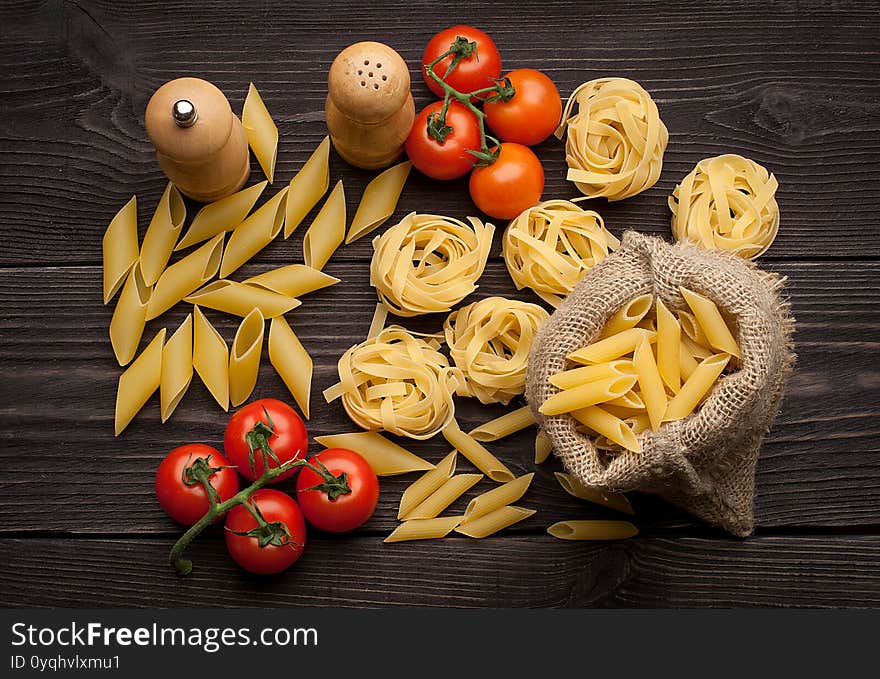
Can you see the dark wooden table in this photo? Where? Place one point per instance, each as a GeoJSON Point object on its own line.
{"type": "Point", "coordinates": [794, 87]}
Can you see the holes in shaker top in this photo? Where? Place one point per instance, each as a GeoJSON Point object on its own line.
{"type": "Point", "coordinates": [366, 62]}
{"type": "Point", "coordinates": [384, 77]}
{"type": "Point", "coordinates": [363, 84]}
{"type": "Point", "coordinates": [376, 86]}
{"type": "Point", "coordinates": [360, 72]}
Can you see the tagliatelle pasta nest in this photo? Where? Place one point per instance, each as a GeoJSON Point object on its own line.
{"type": "Point", "coordinates": [398, 383]}
{"type": "Point", "coordinates": [490, 341]}
{"type": "Point", "coordinates": [615, 141]}
{"type": "Point", "coordinates": [727, 202]}
{"type": "Point", "coordinates": [548, 247]}
{"type": "Point", "coordinates": [429, 263]}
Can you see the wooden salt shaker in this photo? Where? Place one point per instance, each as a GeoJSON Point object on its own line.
{"type": "Point", "coordinates": [369, 107]}
{"type": "Point", "coordinates": [200, 143]}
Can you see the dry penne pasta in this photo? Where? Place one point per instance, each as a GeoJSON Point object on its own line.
{"type": "Point", "coordinates": [211, 358]}
{"type": "Point", "coordinates": [692, 332]}
{"type": "Point", "coordinates": [424, 529]}
{"type": "Point", "coordinates": [686, 361]}
{"type": "Point", "coordinates": [291, 361]}
{"type": "Point", "coordinates": [576, 489]}
{"type": "Point", "coordinates": [489, 524]}
{"type": "Point", "coordinates": [162, 234]}
{"type": "Point", "coordinates": [696, 387]}
{"type": "Point", "coordinates": [592, 530]}
{"type": "Point", "coordinates": [327, 232]}
{"type": "Point", "coordinates": [697, 351]}
{"type": "Point", "coordinates": [221, 216]}
{"type": "Point", "coordinates": [294, 280]}
{"type": "Point", "coordinates": [138, 382]}
{"type": "Point", "coordinates": [379, 201]}
{"type": "Point", "coordinates": [244, 357]}
{"type": "Point", "coordinates": [254, 233]}
{"type": "Point", "coordinates": [307, 186]}
{"type": "Point", "coordinates": [426, 484]}
{"type": "Point", "coordinates": [240, 299]}
{"type": "Point", "coordinates": [611, 347]}
{"type": "Point", "coordinates": [568, 379]}
{"type": "Point", "coordinates": [177, 368]}
{"type": "Point", "coordinates": [129, 316]}
{"type": "Point", "coordinates": [613, 428]}
{"type": "Point", "coordinates": [481, 458]}
{"type": "Point", "coordinates": [588, 394]}
{"type": "Point", "coordinates": [120, 248]}
{"type": "Point", "coordinates": [711, 322]}
{"type": "Point", "coordinates": [452, 489]}
{"type": "Point", "coordinates": [668, 347]}
{"type": "Point", "coordinates": [631, 399]}
{"type": "Point", "coordinates": [628, 316]}
{"type": "Point", "coordinates": [262, 133]}
{"type": "Point", "coordinates": [384, 456]}
{"type": "Point", "coordinates": [503, 426]}
{"type": "Point", "coordinates": [543, 446]}
{"type": "Point", "coordinates": [497, 498]}
{"type": "Point", "coordinates": [185, 276]}
{"type": "Point", "coordinates": [650, 383]}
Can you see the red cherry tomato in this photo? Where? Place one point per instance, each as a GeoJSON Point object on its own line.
{"type": "Point", "coordinates": [532, 114]}
{"type": "Point", "coordinates": [272, 422]}
{"type": "Point", "coordinates": [511, 184]}
{"type": "Point", "coordinates": [472, 73]}
{"type": "Point", "coordinates": [284, 534]}
{"type": "Point", "coordinates": [179, 492]}
{"type": "Point", "coordinates": [449, 159]}
{"type": "Point", "coordinates": [322, 496]}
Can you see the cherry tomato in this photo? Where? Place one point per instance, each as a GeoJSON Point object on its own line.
{"type": "Point", "coordinates": [266, 421]}
{"type": "Point", "coordinates": [532, 114]}
{"type": "Point", "coordinates": [472, 73]}
{"type": "Point", "coordinates": [511, 184]}
{"type": "Point", "coordinates": [180, 493]}
{"type": "Point", "coordinates": [323, 497]}
{"type": "Point", "coordinates": [283, 534]}
{"type": "Point", "coordinates": [449, 159]}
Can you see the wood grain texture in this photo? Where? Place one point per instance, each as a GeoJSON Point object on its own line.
{"type": "Point", "coordinates": [538, 571]}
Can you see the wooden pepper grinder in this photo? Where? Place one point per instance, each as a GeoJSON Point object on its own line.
{"type": "Point", "coordinates": [200, 143]}
{"type": "Point", "coordinates": [369, 107]}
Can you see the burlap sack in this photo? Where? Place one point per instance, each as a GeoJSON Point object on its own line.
{"type": "Point", "coordinates": [705, 463]}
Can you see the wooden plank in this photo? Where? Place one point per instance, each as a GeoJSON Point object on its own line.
{"type": "Point", "coordinates": [504, 571]}
{"type": "Point", "coordinates": [62, 470]}
{"type": "Point", "coordinates": [77, 77]}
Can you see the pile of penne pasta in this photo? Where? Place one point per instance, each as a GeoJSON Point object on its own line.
{"type": "Point", "coordinates": [648, 366]}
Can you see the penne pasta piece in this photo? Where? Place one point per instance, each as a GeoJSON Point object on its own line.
{"type": "Point", "coordinates": [424, 529]}
{"type": "Point", "coordinates": [254, 233]}
{"type": "Point", "coordinates": [576, 489]}
{"type": "Point", "coordinates": [697, 351]}
{"type": "Point", "coordinates": [481, 458]}
{"type": "Point", "coordinates": [588, 394]}
{"type": "Point", "coordinates": [452, 489]}
{"type": "Point", "coordinates": [162, 234]}
{"type": "Point", "coordinates": [384, 456]}
{"type": "Point", "coordinates": [618, 411]}
{"type": "Point", "coordinates": [611, 347]}
{"type": "Point", "coordinates": [221, 216]}
{"type": "Point", "coordinates": [262, 133]}
{"type": "Point", "coordinates": [177, 367]}
{"type": "Point", "coordinates": [650, 383]}
{"type": "Point", "coordinates": [426, 484]}
{"type": "Point", "coordinates": [592, 530]}
{"type": "Point", "coordinates": [185, 276]}
{"type": "Point", "coordinates": [129, 316]}
{"type": "Point", "coordinates": [696, 387]}
{"type": "Point", "coordinates": [631, 400]}
{"type": "Point", "coordinates": [691, 329]}
{"type": "Point", "coordinates": [138, 383]}
{"type": "Point", "coordinates": [327, 232]}
{"type": "Point", "coordinates": [711, 322]}
{"type": "Point", "coordinates": [668, 347]}
{"type": "Point", "coordinates": [613, 428]}
{"type": "Point", "coordinates": [649, 324]}
{"type": "Point", "coordinates": [307, 186]}
{"type": "Point", "coordinates": [294, 280]}
{"type": "Point", "coordinates": [211, 358]}
{"type": "Point", "coordinates": [379, 201]}
{"type": "Point", "coordinates": [638, 423]}
{"type": "Point", "coordinates": [507, 424]}
{"type": "Point", "coordinates": [543, 446]}
{"type": "Point", "coordinates": [568, 379]}
{"type": "Point", "coordinates": [489, 524]}
{"type": "Point", "coordinates": [244, 357]}
{"type": "Point", "coordinates": [686, 361]}
{"type": "Point", "coordinates": [291, 361]}
{"type": "Point", "coordinates": [628, 316]}
{"type": "Point", "coordinates": [497, 498]}
{"type": "Point", "coordinates": [120, 248]}
{"type": "Point", "coordinates": [239, 299]}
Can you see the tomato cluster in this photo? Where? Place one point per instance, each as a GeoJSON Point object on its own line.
{"type": "Point", "coordinates": [266, 442]}
{"type": "Point", "coordinates": [448, 137]}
